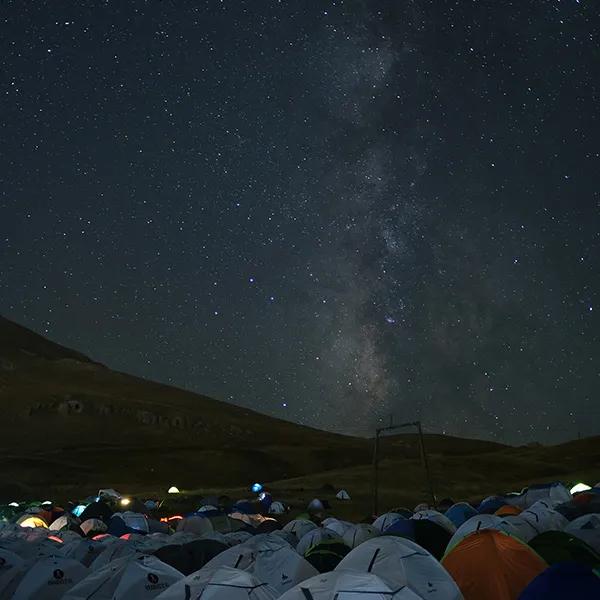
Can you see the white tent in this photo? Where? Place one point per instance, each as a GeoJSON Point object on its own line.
{"type": "Point", "coordinates": [50, 578]}
{"type": "Point", "coordinates": [223, 583]}
{"type": "Point", "coordinates": [115, 550]}
{"type": "Point", "coordinates": [12, 570]}
{"type": "Point", "coordinates": [544, 519]}
{"type": "Point", "coordinates": [343, 495]}
{"type": "Point", "coordinates": [522, 528]}
{"type": "Point", "coordinates": [586, 528]}
{"type": "Point", "coordinates": [196, 525]}
{"type": "Point", "coordinates": [143, 577]}
{"type": "Point", "coordinates": [269, 558]}
{"type": "Point", "coordinates": [478, 523]}
{"type": "Point", "coordinates": [436, 517]}
{"type": "Point", "coordinates": [338, 526]}
{"type": "Point", "coordinates": [83, 550]}
{"type": "Point", "coordinates": [237, 537]}
{"type": "Point", "coordinates": [554, 493]}
{"type": "Point", "coordinates": [134, 520]}
{"type": "Point", "coordinates": [384, 521]}
{"type": "Point", "coordinates": [315, 536]}
{"type": "Point", "coordinates": [400, 562]}
{"type": "Point", "coordinates": [347, 585]}
{"type": "Point", "coordinates": [299, 527]}
{"type": "Point", "coordinates": [277, 508]}
{"type": "Point", "coordinates": [360, 533]}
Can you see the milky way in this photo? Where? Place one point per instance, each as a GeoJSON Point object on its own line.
{"type": "Point", "coordinates": [331, 212]}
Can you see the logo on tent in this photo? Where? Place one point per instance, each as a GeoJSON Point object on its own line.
{"type": "Point", "coordinates": [152, 578]}
{"type": "Point", "coordinates": [58, 574]}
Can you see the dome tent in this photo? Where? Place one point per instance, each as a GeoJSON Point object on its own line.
{"type": "Point", "coordinates": [586, 528]}
{"type": "Point", "coordinates": [564, 580]}
{"type": "Point", "coordinates": [299, 527]}
{"type": "Point", "coordinates": [400, 562]}
{"type": "Point", "coordinates": [269, 558]}
{"type": "Point", "coordinates": [223, 583]}
{"type": "Point", "coordinates": [347, 585]}
{"type": "Point", "coordinates": [327, 555]}
{"type": "Point", "coordinates": [343, 495]}
{"type": "Point", "coordinates": [479, 523]}
{"type": "Point", "coordinates": [385, 520]}
{"type": "Point", "coordinates": [424, 532]}
{"type": "Point", "coordinates": [559, 546]}
{"type": "Point", "coordinates": [460, 512]}
{"type": "Point", "coordinates": [492, 564]}
{"type": "Point", "coordinates": [359, 533]}
{"type": "Point", "coordinates": [436, 517]}
{"type": "Point", "coordinates": [124, 578]}
{"type": "Point", "coordinates": [50, 578]}
{"type": "Point", "coordinates": [315, 536]}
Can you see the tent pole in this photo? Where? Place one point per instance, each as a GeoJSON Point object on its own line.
{"type": "Point", "coordinates": [426, 463]}
{"type": "Point", "coordinates": [376, 473]}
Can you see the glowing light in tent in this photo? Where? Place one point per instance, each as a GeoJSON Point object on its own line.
{"type": "Point", "coordinates": [173, 490]}
{"type": "Point", "coordinates": [580, 487]}
{"type": "Point", "coordinates": [33, 522]}
{"type": "Point", "coordinates": [56, 539]}
{"type": "Point", "coordinates": [78, 510]}
{"type": "Point", "coordinates": [125, 501]}
{"type": "Point", "coordinates": [14, 504]}
{"type": "Point", "coordinates": [256, 487]}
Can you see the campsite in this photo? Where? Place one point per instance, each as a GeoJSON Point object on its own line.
{"type": "Point", "coordinates": [149, 508]}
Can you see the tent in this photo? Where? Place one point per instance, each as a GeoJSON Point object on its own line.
{"type": "Point", "coordinates": [337, 525]}
{"type": "Point", "coordinates": [427, 534]}
{"type": "Point", "coordinates": [359, 533]}
{"type": "Point", "coordinates": [400, 562]}
{"type": "Point", "coordinates": [554, 493]}
{"type": "Point", "coordinates": [326, 555]}
{"type": "Point", "coordinates": [492, 564]}
{"type": "Point", "coordinates": [124, 578]}
{"type": "Point", "coordinates": [196, 525]}
{"type": "Point", "coordinates": [458, 513]}
{"type": "Point", "coordinates": [490, 505]}
{"type": "Point", "coordinates": [299, 527]}
{"type": "Point", "coordinates": [479, 523]}
{"type": "Point", "coordinates": [508, 509]}
{"type": "Point", "coordinates": [191, 557]}
{"type": "Point", "coordinates": [224, 583]}
{"type": "Point", "coordinates": [83, 550]}
{"type": "Point", "coordinates": [343, 495]}
{"type": "Point", "coordinates": [32, 521]}
{"type": "Point", "coordinates": [50, 578]}
{"type": "Point", "coordinates": [269, 558]}
{"type": "Point", "coordinates": [586, 528]}
{"type": "Point", "coordinates": [544, 518]}
{"type": "Point", "coordinates": [276, 508]}
{"type": "Point", "coordinates": [92, 527]}
{"type": "Point", "coordinates": [315, 536]}
{"type": "Point", "coordinates": [436, 517]}
{"type": "Point", "coordinates": [559, 546]}
{"type": "Point", "coordinates": [384, 521]}
{"type": "Point", "coordinates": [564, 580]}
{"type": "Point", "coordinates": [346, 585]}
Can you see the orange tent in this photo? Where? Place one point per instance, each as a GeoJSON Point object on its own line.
{"type": "Point", "coordinates": [507, 509]}
{"type": "Point", "coordinates": [492, 565]}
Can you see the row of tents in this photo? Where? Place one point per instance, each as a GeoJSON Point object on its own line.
{"type": "Point", "coordinates": [542, 543]}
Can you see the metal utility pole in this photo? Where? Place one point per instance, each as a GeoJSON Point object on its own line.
{"type": "Point", "coordinates": [424, 461]}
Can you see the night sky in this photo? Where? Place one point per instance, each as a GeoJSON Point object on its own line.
{"type": "Point", "coordinates": [329, 212]}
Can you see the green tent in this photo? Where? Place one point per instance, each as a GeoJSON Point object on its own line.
{"type": "Point", "coordinates": [559, 546]}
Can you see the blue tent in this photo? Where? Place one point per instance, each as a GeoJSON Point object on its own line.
{"type": "Point", "coordinates": [460, 512]}
{"type": "Point", "coordinates": [564, 580]}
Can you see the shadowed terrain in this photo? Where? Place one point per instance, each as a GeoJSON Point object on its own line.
{"type": "Point", "coordinates": [70, 425]}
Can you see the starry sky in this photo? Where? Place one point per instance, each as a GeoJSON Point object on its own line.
{"type": "Point", "coordinates": [327, 211]}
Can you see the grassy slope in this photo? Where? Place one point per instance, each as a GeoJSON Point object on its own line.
{"type": "Point", "coordinates": [64, 454]}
